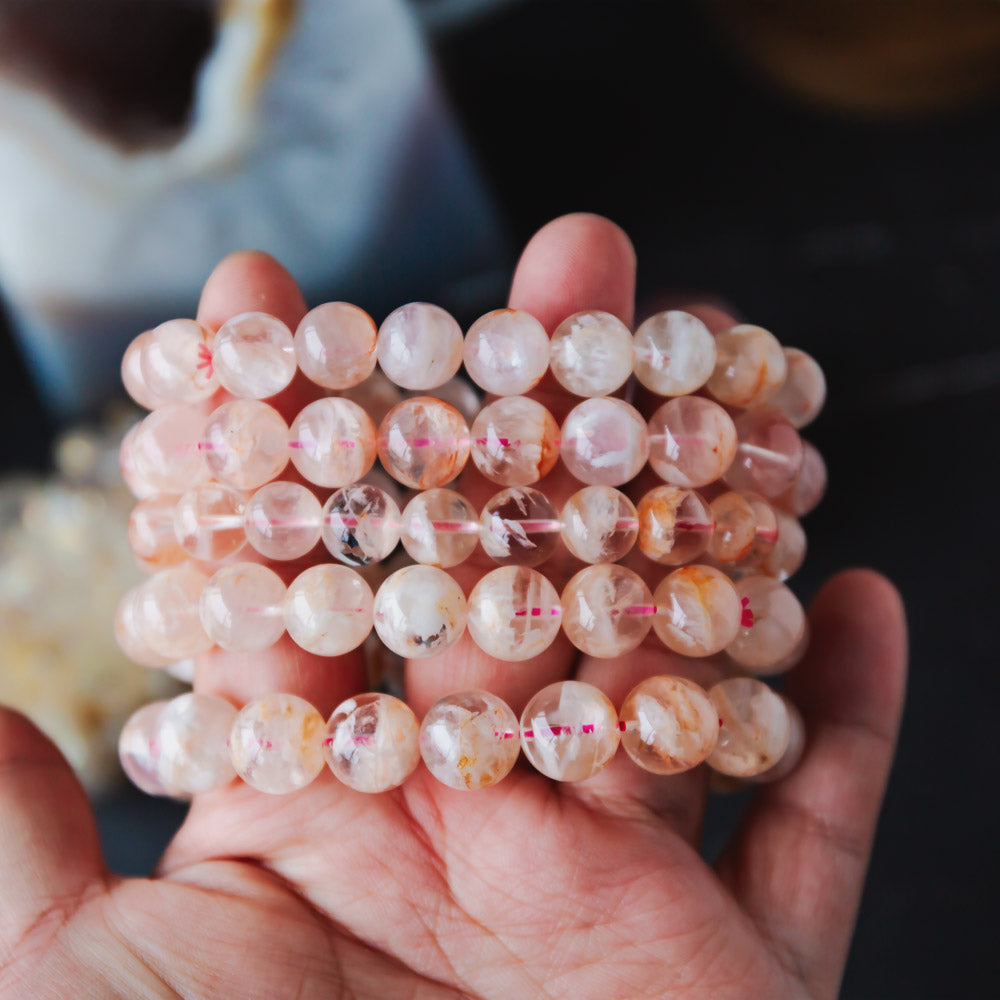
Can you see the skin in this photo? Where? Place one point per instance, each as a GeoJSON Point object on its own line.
{"type": "Point", "coordinates": [530, 889]}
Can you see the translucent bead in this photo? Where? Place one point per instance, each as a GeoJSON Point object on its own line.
{"type": "Point", "coordinates": [569, 731]}
{"type": "Point", "coordinates": [809, 487]}
{"type": "Point", "coordinates": [360, 524]}
{"type": "Point", "coordinates": [469, 740]}
{"type": "Point", "coordinates": [139, 750]}
{"type": "Point", "coordinates": [372, 742]}
{"type": "Point", "coordinates": [246, 443]}
{"type": "Point", "coordinates": [439, 528]}
{"type": "Point", "coordinates": [254, 355]}
{"type": "Point", "coordinates": [515, 441]}
{"type": "Point", "coordinates": [779, 626]}
{"type": "Point", "coordinates": [803, 393]}
{"type": "Point", "coordinates": [514, 613]}
{"type": "Point", "coordinates": [735, 524]}
{"type": "Point", "coordinates": [164, 451]}
{"type": "Point", "coordinates": [176, 362]}
{"type": "Point", "coordinates": [769, 454]}
{"type": "Point", "coordinates": [670, 725]}
{"type": "Point", "coordinates": [134, 481]}
{"type": "Point", "coordinates": [332, 442]}
{"type": "Point", "coordinates": [591, 353]}
{"type": "Point", "coordinates": [675, 525]}
{"type": "Point", "coordinates": [463, 395]}
{"type": "Point", "coordinates": [674, 353]}
{"type": "Point", "coordinates": [335, 345]}
{"type": "Point", "coordinates": [754, 727]}
{"type": "Point", "coordinates": [328, 610]}
{"type": "Point", "coordinates": [130, 638]}
{"type": "Point", "coordinates": [604, 442]}
{"type": "Point", "coordinates": [423, 443]}
{"type": "Point", "coordinates": [193, 730]}
{"type": "Point", "coordinates": [376, 396]}
{"type": "Point", "coordinates": [607, 610]}
{"type": "Point", "coordinates": [132, 377]}
{"type": "Point", "coordinates": [242, 608]}
{"type": "Point", "coordinates": [749, 368]}
{"type": "Point", "coordinates": [276, 743]}
{"type": "Point", "coordinates": [506, 352]}
{"type": "Point", "coordinates": [789, 552]}
{"type": "Point", "coordinates": [420, 346]}
{"type": "Point", "coordinates": [698, 611]}
{"type": "Point", "coordinates": [283, 520]}
{"type": "Point", "coordinates": [519, 526]}
{"type": "Point", "coordinates": [166, 612]}
{"type": "Point", "coordinates": [765, 532]}
{"type": "Point", "coordinates": [151, 532]}
{"type": "Point", "coordinates": [599, 524]}
{"type": "Point", "coordinates": [419, 611]}
{"type": "Point", "coordinates": [208, 522]}
{"type": "Point", "coordinates": [692, 441]}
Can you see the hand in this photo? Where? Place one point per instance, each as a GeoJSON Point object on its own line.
{"type": "Point", "coordinates": [530, 889]}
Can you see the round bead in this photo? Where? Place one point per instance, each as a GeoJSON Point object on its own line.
{"type": "Point", "coordinates": [607, 610]}
{"type": "Point", "coordinates": [599, 524]}
{"type": "Point", "coordinates": [806, 492]}
{"type": "Point", "coordinates": [151, 532]}
{"type": "Point", "coordinates": [463, 395]}
{"type": "Point", "coordinates": [164, 451]}
{"type": "Point", "coordinates": [376, 396]}
{"type": "Point", "coordinates": [469, 740]}
{"type": "Point", "coordinates": [166, 612]}
{"type": "Point", "coordinates": [192, 733]}
{"type": "Point", "coordinates": [246, 443]}
{"type": "Point", "coordinates": [372, 742]}
{"type": "Point", "coordinates": [789, 552]}
{"type": "Point", "coordinates": [803, 393]}
{"type": "Point", "coordinates": [335, 345]}
{"type": "Point", "coordinates": [439, 528]}
{"type": "Point", "coordinates": [515, 441]}
{"type": "Point", "coordinates": [670, 725]}
{"type": "Point", "coordinates": [765, 532]}
{"type": "Point", "coordinates": [283, 520]}
{"type": "Point", "coordinates": [328, 610]}
{"type": "Point", "coordinates": [176, 362]}
{"type": "Point", "coordinates": [769, 455]}
{"type": "Point", "coordinates": [698, 611]}
{"type": "Point", "coordinates": [276, 743]}
{"type": "Point", "coordinates": [136, 483]}
{"type": "Point", "coordinates": [129, 637]}
{"type": "Point", "coordinates": [423, 443]}
{"type": "Point", "coordinates": [735, 524]}
{"type": "Point", "coordinates": [254, 355]}
{"type": "Point", "coordinates": [420, 346]}
{"type": "Point", "coordinates": [754, 727]}
{"type": "Point", "coordinates": [692, 441]}
{"type": "Point", "coordinates": [241, 607]}
{"type": "Point", "coordinates": [675, 525]}
{"type": "Point", "coordinates": [132, 377]}
{"type": "Point", "coordinates": [208, 522]}
{"type": "Point", "coordinates": [591, 353]}
{"type": "Point", "coordinates": [514, 613]}
{"type": "Point", "coordinates": [749, 368]}
{"type": "Point", "coordinates": [139, 750]}
{"type": "Point", "coordinates": [506, 352]}
{"type": "Point", "coordinates": [569, 731]}
{"type": "Point", "coordinates": [604, 442]}
{"type": "Point", "coordinates": [519, 527]}
{"type": "Point", "coordinates": [778, 630]}
{"type": "Point", "coordinates": [419, 611]}
{"type": "Point", "coordinates": [360, 524]}
{"type": "Point", "coordinates": [674, 353]}
{"type": "Point", "coordinates": [332, 442]}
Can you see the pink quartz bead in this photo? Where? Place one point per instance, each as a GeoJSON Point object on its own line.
{"type": "Point", "coordinates": [569, 731]}
{"type": "Point", "coordinates": [604, 442]}
{"type": "Point", "coordinates": [789, 552]}
{"type": "Point", "coordinates": [591, 353]}
{"type": "Point", "coordinates": [420, 346]}
{"type": "Point", "coordinates": [328, 610]}
{"type": "Point", "coordinates": [674, 353]}
{"type": "Point", "coordinates": [335, 345]}
{"type": "Point", "coordinates": [192, 732]}
{"type": "Point", "coordinates": [151, 533]}
{"type": "Point", "coordinates": [134, 481]}
{"type": "Point", "coordinates": [754, 727]}
{"type": "Point", "coordinates": [242, 608]}
{"type": "Point", "coordinates": [607, 610]}
{"type": "Point", "coordinates": [750, 366]}
{"type": "Point", "coordinates": [283, 521]}
{"type": "Point", "coordinates": [372, 742]}
{"type": "Point", "coordinates": [462, 394]}
{"type": "Point", "coordinates": [245, 443]}
{"type": "Point", "coordinates": [809, 487]}
{"type": "Point", "coordinates": [276, 743]}
{"type": "Point", "coordinates": [675, 525]}
{"type": "Point", "coordinates": [670, 725]}
{"type": "Point", "coordinates": [332, 442]}
{"type": "Point", "coordinates": [765, 532]}
{"type": "Point", "coordinates": [254, 355]}
{"type": "Point", "coordinates": [176, 362]}
{"type": "Point", "coordinates": [166, 612]}
{"type": "Point", "coordinates": [778, 630]}
{"type": "Point", "coordinates": [132, 377]}
{"type": "Point", "coordinates": [376, 396]}
{"type": "Point", "coordinates": [470, 740]}
{"type": "Point", "coordinates": [360, 524]}
{"type": "Point", "coordinates": [515, 441]}
{"type": "Point", "coordinates": [208, 522]}
{"type": "Point", "coordinates": [506, 352]}
{"type": "Point", "coordinates": [769, 454]}
{"type": "Point", "coordinates": [803, 393]}
{"type": "Point", "coordinates": [439, 528]}
{"type": "Point", "coordinates": [164, 451]}
{"type": "Point", "coordinates": [698, 611]}
{"type": "Point", "coordinates": [514, 613]}
{"type": "Point", "coordinates": [419, 611]}
{"type": "Point", "coordinates": [129, 638]}
{"type": "Point", "coordinates": [423, 443]}
{"type": "Point", "coordinates": [692, 441]}
{"type": "Point", "coordinates": [599, 524]}
{"type": "Point", "coordinates": [139, 750]}
{"type": "Point", "coordinates": [735, 527]}
{"type": "Point", "coordinates": [519, 526]}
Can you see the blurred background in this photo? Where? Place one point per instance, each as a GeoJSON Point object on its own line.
{"type": "Point", "coordinates": [830, 170]}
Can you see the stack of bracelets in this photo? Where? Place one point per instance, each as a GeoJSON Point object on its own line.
{"type": "Point", "coordinates": [733, 476]}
